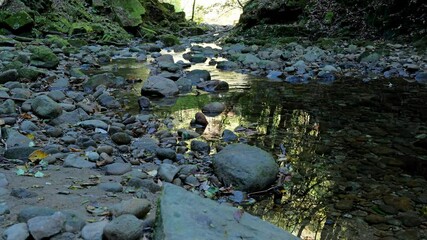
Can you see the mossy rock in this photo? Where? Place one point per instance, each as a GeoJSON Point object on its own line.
{"type": "Point", "coordinates": [77, 42]}
{"type": "Point", "coordinates": [18, 21]}
{"type": "Point", "coordinates": [329, 17]}
{"type": "Point", "coordinates": [169, 40]}
{"type": "Point", "coordinates": [53, 23]}
{"type": "Point", "coordinates": [43, 57]}
{"type": "Point", "coordinates": [30, 73]}
{"type": "Point", "coordinates": [128, 12]}
{"type": "Point", "coordinates": [57, 41]}
{"type": "Point", "coordinates": [80, 27]}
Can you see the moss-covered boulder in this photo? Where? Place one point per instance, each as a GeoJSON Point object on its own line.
{"type": "Point", "coordinates": [43, 57]}
{"type": "Point", "coordinates": [169, 40]}
{"type": "Point", "coordinates": [17, 21]}
{"type": "Point", "coordinates": [128, 12]}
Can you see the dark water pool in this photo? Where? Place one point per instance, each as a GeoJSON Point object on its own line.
{"type": "Point", "coordinates": [356, 152]}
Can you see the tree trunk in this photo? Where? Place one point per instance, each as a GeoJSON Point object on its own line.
{"type": "Point", "coordinates": [193, 10]}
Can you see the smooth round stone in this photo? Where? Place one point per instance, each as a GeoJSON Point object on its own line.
{"type": "Point", "coordinates": [121, 138]}
{"type": "Point", "coordinates": [105, 149]}
{"type": "Point", "coordinates": [92, 156]}
{"type": "Point", "coordinates": [213, 109]}
{"type": "Point", "coordinates": [118, 168]}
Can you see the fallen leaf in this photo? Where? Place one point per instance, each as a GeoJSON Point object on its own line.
{"type": "Point", "coordinates": [26, 116]}
{"type": "Point", "coordinates": [37, 155]}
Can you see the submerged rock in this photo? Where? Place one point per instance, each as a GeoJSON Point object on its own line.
{"type": "Point", "coordinates": [245, 167]}
{"type": "Point", "coordinates": [208, 219]}
{"type": "Point", "coordinates": [160, 87]}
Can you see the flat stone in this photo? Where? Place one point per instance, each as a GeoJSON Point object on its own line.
{"type": "Point", "coordinates": [94, 124]}
{"type": "Point", "coordinates": [77, 161]}
{"type": "Point", "coordinates": [201, 218]}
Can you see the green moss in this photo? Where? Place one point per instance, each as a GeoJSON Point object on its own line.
{"type": "Point", "coordinates": [128, 12]}
{"type": "Point", "coordinates": [19, 20]}
{"type": "Point", "coordinates": [43, 57]}
{"type": "Point", "coordinates": [329, 17]}
{"type": "Point", "coordinates": [80, 27]}
{"type": "Point", "coordinates": [169, 40]}
{"type": "Point", "coordinates": [326, 43]}
{"type": "Point", "coordinates": [57, 41]}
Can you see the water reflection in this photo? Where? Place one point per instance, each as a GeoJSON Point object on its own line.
{"type": "Point", "coordinates": [350, 146]}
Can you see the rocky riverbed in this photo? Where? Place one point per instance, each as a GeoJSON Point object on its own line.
{"type": "Point", "coordinates": [70, 145]}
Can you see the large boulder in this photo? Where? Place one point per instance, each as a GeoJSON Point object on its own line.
{"type": "Point", "coordinates": [128, 12]}
{"type": "Point", "coordinates": [159, 86]}
{"type": "Point", "coordinates": [18, 21]}
{"type": "Point", "coordinates": [185, 215]}
{"type": "Point", "coordinates": [247, 168]}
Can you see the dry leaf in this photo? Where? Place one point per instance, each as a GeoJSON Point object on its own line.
{"type": "Point", "coordinates": [37, 155]}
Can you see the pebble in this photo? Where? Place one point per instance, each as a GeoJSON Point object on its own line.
{"type": "Point", "coordinates": [168, 172]}
{"type": "Point", "coordinates": [111, 187]}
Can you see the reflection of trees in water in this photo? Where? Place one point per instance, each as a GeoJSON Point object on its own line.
{"type": "Point", "coordinates": [300, 204]}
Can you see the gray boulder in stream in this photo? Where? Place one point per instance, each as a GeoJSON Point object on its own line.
{"type": "Point", "coordinates": [185, 215]}
{"type": "Point", "coordinates": [247, 168]}
{"type": "Point", "coordinates": [160, 87]}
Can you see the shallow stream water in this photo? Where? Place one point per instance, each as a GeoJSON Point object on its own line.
{"type": "Point", "coordinates": [354, 149]}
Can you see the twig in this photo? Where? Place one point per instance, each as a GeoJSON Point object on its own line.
{"type": "Point", "coordinates": [261, 192]}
